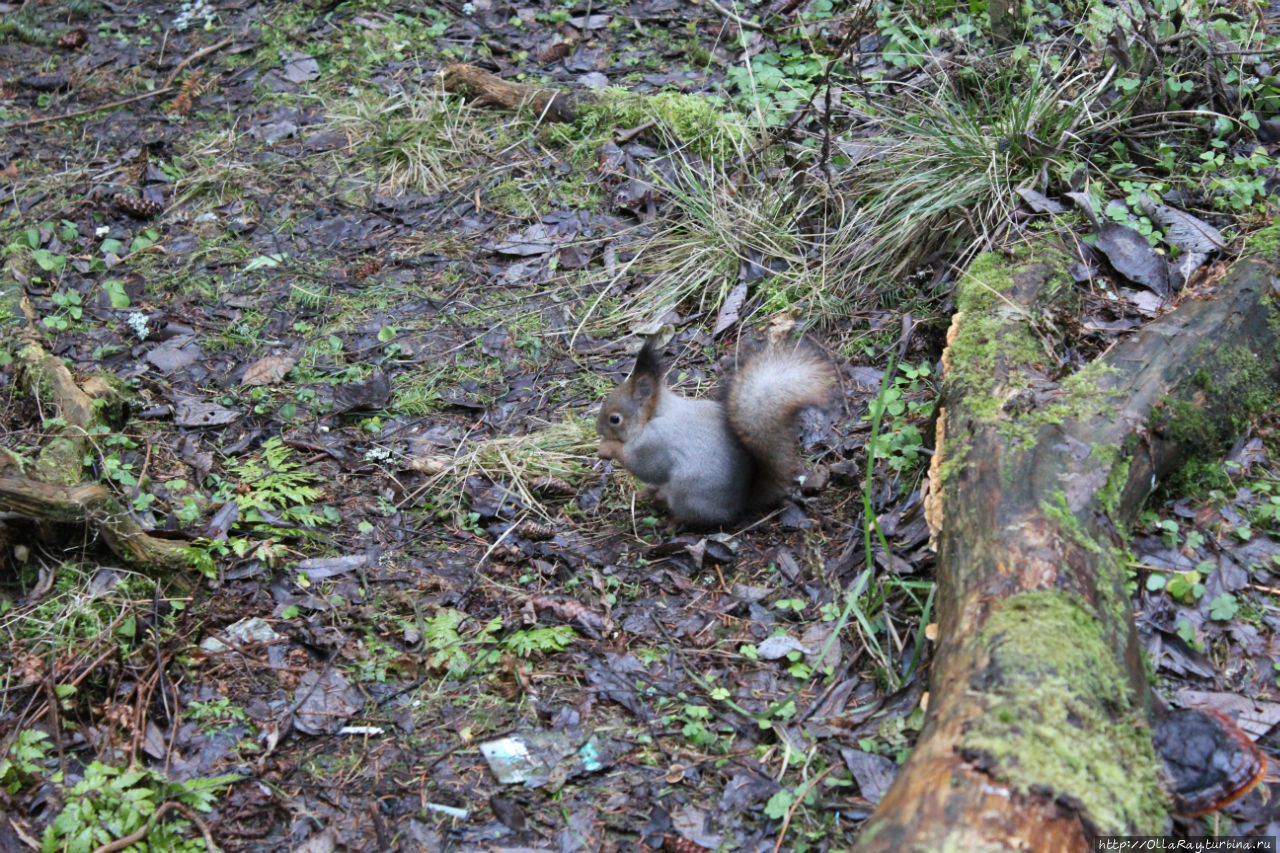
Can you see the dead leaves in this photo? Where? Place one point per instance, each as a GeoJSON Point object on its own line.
{"type": "Point", "coordinates": [268, 371]}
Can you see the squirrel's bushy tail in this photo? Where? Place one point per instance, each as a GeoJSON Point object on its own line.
{"type": "Point", "coordinates": [765, 396]}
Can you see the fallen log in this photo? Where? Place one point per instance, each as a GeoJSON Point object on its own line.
{"type": "Point", "coordinates": [51, 494]}
{"type": "Point", "coordinates": [487, 88]}
{"type": "Point", "coordinates": [1038, 735]}
{"type": "Point", "coordinates": [95, 508]}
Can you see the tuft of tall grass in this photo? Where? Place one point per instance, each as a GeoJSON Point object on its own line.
{"type": "Point", "coordinates": [562, 450]}
{"type": "Point", "coordinates": [741, 218]}
{"type": "Point", "coordinates": [954, 157]}
{"type": "Point", "coordinates": [423, 140]}
{"type": "Point", "coordinates": [940, 175]}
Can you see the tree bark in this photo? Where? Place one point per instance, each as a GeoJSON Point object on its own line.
{"type": "Point", "coordinates": [1037, 734]}
{"type": "Point", "coordinates": [552, 104]}
{"type": "Point", "coordinates": [91, 505]}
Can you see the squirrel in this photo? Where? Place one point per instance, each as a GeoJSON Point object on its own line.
{"type": "Point", "coordinates": [711, 461]}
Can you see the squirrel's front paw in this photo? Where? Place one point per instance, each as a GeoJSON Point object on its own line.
{"type": "Point", "coordinates": [657, 494]}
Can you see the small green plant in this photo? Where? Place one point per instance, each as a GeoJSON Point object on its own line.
{"type": "Point", "coordinates": [71, 309]}
{"type": "Point", "coordinates": [695, 727]}
{"type": "Point", "coordinates": [268, 489]}
{"type": "Point", "coordinates": [1188, 635]}
{"type": "Point", "coordinates": [775, 83]}
{"type": "Point", "coordinates": [796, 667]}
{"type": "Point", "coordinates": [25, 759]}
{"type": "Point", "coordinates": [779, 804]}
{"type": "Point", "coordinates": [899, 440]}
{"type": "Point", "coordinates": [1186, 587]}
{"type": "Point", "coordinates": [532, 641]}
{"type": "Point", "coordinates": [114, 288]}
{"type": "Point", "coordinates": [144, 239]}
{"type": "Point", "coordinates": [110, 803]}
{"type": "Point", "coordinates": [448, 650]}
{"type": "Point", "coordinates": [1260, 506]}
{"type": "Point", "coordinates": [377, 660]}
{"type": "Point", "coordinates": [213, 714]}
{"type": "Point", "coordinates": [274, 485]}
{"type": "Point", "coordinates": [1224, 607]}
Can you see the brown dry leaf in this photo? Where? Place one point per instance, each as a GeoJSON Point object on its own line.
{"type": "Point", "coordinates": [268, 371]}
{"type": "Point", "coordinates": [730, 308]}
{"type": "Point", "coordinates": [180, 105]}
{"type": "Point", "coordinates": [429, 464]}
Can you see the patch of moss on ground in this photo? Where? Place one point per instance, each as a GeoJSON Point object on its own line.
{"type": "Point", "coordinates": [708, 125]}
{"type": "Point", "coordinates": [1265, 243]}
{"type": "Point", "coordinates": [1061, 715]}
{"type": "Point", "coordinates": [1196, 479]}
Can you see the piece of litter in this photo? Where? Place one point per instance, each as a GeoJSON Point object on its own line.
{"type": "Point", "coordinates": [460, 814]}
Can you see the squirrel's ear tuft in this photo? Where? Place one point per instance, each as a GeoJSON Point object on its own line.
{"type": "Point", "coordinates": [648, 362]}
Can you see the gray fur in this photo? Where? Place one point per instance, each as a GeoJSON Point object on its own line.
{"type": "Point", "coordinates": [687, 448]}
{"type": "Point", "coordinates": [711, 462]}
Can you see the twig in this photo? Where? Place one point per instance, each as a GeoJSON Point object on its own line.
{"type": "Point", "coordinates": [177, 69]}
{"type": "Point", "coordinates": [801, 793]}
{"type": "Point", "coordinates": [166, 88]}
{"type": "Point", "coordinates": [31, 122]}
{"type": "Point", "coordinates": [738, 19]}
{"type": "Point", "coordinates": [622, 137]}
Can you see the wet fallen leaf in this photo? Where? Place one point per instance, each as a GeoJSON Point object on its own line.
{"type": "Point", "coordinates": [1133, 257]}
{"type": "Point", "coordinates": [300, 67]}
{"type": "Point", "coordinates": [1039, 202]}
{"type": "Point", "coordinates": [779, 647]}
{"type": "Point", "coordinates": [188, 412]}
{"type": "Point", "coordinates": [325, 701]}
{"type": "Point", "coordinates": [1183, 230]}
{"type": "Point", "coordinates": [268, 370]}
{"type": "Point", "coordinates": [729, 309]}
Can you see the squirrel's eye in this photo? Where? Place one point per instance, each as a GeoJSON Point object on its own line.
{"type": "Point", "coordinates": [615, 418]}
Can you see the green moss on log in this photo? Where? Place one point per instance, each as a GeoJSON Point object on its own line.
{"type": "Point", "coordinates": [1235, 380]}
{"type": "Point", "coordinates": [1060, 715]}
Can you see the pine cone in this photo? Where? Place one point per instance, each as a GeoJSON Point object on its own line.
{"type": "Point", "coordinates": [74, 39]}
{"type": "Point", "coordinates": [366, 269]}
{"type": "Point", "coordinates": [138, 208]}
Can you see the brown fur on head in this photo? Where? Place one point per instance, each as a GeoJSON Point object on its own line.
{"type": "Point", "coordinates": [630, 406]}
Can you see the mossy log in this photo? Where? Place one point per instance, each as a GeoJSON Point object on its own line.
{"type": "Point", "coordinates": [53, 496]}
{"type": "Point", "coordinates": [551, 104]}
{"type": "Point", "coordinates": [1037, 734]}
{"type": "Point", "coordinates": [95, 508]}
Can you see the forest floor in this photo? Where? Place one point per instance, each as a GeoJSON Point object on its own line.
{"type": "Point", "coordinates": [363, 324]}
